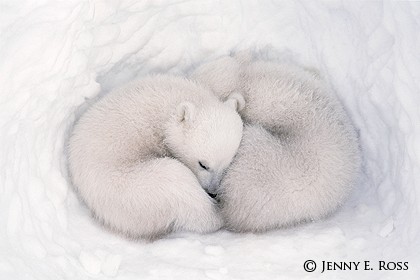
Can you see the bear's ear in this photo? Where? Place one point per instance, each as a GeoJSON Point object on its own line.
{"type": "Point", "coordinates": [236, 101]}
{"type": "Point", "coordinates": [185, 112]}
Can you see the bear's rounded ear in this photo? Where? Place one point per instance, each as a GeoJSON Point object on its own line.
{"type": "Point", "coordinates": [236, 101]}
{"type": "Point", "coordinates": [185, 112]}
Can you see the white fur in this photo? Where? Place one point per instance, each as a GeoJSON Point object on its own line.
{"type": "Point", "coordinates": [133, 156]}
{"type": "Point", "coordinates": [299, 156]}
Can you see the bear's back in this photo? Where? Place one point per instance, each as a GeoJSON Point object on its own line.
{"type": "Point", "coordinates": [127, 124]}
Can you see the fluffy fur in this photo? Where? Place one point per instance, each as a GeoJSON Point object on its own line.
{"type": "Point", "coordinates": [138, 157]}
{"type": "Point", "coordinates": [299, 156]}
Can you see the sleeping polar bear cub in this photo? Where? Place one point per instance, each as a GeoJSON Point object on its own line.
{"type": "Point", "coordinates": [299, 156]}
{"type": "Point", "coordinates": [140, 156]}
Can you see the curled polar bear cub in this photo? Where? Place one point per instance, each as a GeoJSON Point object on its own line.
{"type": "Point", "coordinates": [299, 155]}
{"type": "Point", "coordinates": [140, 156]}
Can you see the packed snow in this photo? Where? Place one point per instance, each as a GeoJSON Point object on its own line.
{"type": "Point", "coordinates": [56, 56]}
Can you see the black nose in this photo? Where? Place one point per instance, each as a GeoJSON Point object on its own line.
{"type": "Point", "coordinates": [214, 196]}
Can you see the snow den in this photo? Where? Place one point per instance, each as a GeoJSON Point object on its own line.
{"type": "Point", "coordinates": [57, 56]}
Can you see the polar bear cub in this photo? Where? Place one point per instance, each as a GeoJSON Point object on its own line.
{"type": "Point", "coordinates": [299, 155]}
{"type": "Point", "coordinates": [141, 156]}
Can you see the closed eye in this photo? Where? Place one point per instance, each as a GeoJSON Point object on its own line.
{"type": "Point", "coordinates": [203, 165]}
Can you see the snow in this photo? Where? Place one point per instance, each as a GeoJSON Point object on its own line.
{"type": "Point", "coordinates": [57, 55]}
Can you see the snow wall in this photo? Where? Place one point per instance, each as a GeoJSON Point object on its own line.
{"type": "Point", "coordinates": [56, 55]}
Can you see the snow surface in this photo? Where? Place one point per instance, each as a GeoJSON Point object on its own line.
{"type": "Point", "coordinates": [54, 55]}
